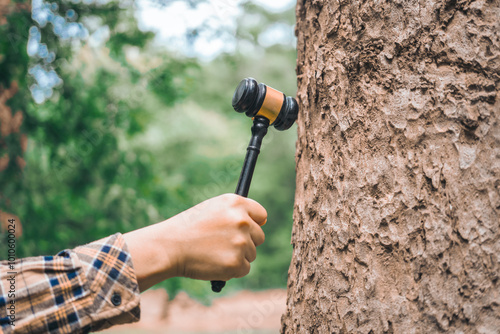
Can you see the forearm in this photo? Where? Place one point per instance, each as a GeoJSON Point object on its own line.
{"type": "Point", "coordinates": [87, 288]}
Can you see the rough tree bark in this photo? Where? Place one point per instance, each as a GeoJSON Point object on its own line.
{"type": "Point", "coordinates": [396, 221]}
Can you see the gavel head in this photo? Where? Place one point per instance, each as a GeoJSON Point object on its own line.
{"type": "Point", "coordinates": [260, 100]}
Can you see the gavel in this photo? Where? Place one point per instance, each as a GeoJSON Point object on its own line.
{"type": "Point", "coordinates": [267, 106]}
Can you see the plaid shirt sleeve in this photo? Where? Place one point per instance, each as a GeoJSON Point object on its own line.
{"type": "Point", "coordinates": [89, 288]}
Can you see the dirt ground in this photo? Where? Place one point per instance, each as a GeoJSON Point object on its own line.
{"type": "Point", "coordinates": [243, 313]}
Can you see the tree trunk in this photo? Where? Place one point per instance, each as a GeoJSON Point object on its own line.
{"type": "Point", "coordinates": [396, 221]}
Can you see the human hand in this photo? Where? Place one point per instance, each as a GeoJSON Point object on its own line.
{"type": "Point", "coordinates": [214, 240]}
{"type": "Point", "coordinates": [218, 237]}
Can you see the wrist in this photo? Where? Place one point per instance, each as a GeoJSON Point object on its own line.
{"type": "Point", "coordinates": [154, 255]}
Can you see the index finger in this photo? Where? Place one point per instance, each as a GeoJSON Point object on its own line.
{"type": "Point", "coordinates": [255, 211]}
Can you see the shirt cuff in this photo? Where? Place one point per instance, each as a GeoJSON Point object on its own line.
{"type": "Point", "coordinates": [112, 282]}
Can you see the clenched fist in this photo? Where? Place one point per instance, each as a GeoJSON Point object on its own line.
{"type": "Point", "coordinates": [214, 240]}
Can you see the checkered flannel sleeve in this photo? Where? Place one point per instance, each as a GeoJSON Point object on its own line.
{"type": "Point", "coordinates": [85, 289]}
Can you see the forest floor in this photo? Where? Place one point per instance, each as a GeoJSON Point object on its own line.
{"type": "Point", "coordinates": [243, 313]}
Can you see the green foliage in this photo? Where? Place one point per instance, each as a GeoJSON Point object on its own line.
{"type": "Point", "coordinates": [13, 68]}
{"type": "Point", "coordinates": [124, 143]}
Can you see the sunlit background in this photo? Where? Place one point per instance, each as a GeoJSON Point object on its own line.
{"type": "Point", "coordinates": [126, 107]}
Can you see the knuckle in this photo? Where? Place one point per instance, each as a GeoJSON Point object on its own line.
{"type": "Point", "coordinates": [243, 223]}
{"type": "Point", "coordinates": [236, 217]}
{"type": "Point", "coordinates": [233, 263]}
{"type": "Point", "coordinates": [231, 199]}
{"type": "Point", "coordinates": [239, 241]}
{"type": "Point", "coordinates": [245, 270]}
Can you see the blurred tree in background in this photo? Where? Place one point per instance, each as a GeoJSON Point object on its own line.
{"type": "Point", "coordinates": [123, 133]}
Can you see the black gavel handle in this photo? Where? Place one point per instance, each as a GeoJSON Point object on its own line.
{"type": "Point", "coordinates": [259, 130]}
